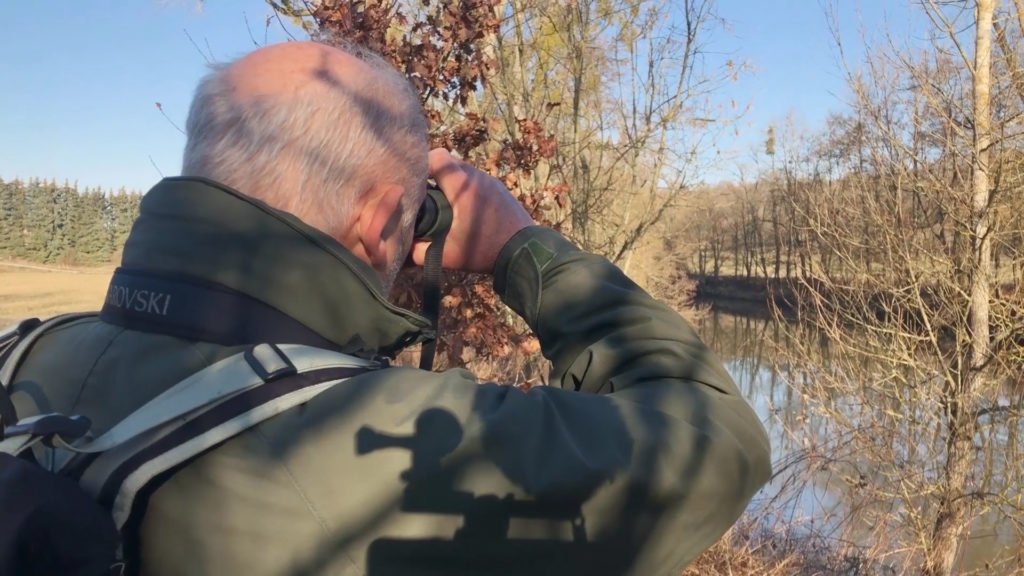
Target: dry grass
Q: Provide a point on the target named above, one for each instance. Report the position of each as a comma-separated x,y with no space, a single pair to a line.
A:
44,292
733,556
751,548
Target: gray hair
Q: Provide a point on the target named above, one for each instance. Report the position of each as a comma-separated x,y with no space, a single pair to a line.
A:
312,155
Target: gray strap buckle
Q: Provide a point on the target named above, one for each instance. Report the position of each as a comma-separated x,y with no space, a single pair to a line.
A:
269,362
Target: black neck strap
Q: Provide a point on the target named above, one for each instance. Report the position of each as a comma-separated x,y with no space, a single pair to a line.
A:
435,228
196,309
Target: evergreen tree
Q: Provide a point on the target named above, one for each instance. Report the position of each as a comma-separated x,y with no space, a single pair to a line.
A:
43,222
125,208
12,224
63,243
39,220
92,232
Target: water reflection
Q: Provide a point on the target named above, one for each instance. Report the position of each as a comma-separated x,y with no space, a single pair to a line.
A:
827,497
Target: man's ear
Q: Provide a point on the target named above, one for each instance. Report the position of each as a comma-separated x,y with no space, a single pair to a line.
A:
379,223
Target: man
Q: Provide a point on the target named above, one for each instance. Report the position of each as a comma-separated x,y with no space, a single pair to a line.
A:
302,174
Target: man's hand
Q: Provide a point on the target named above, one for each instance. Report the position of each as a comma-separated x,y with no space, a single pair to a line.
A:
485,215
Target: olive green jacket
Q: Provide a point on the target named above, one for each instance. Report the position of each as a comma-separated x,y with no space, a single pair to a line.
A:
639,455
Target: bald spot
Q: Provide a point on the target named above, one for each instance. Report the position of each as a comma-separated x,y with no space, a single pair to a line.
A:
295,68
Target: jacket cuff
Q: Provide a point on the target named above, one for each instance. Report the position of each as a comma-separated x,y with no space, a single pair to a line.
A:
519,269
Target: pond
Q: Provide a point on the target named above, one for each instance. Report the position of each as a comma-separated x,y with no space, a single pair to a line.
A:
820,499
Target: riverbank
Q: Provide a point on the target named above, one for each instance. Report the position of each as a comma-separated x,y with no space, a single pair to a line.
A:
747,296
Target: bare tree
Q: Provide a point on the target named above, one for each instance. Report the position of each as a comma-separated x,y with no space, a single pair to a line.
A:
626,87
954,511
904,193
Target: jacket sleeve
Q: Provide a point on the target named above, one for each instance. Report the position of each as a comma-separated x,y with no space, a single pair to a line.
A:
641,421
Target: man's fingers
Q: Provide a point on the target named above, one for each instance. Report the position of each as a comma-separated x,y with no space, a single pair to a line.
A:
446,170
437,158
419,252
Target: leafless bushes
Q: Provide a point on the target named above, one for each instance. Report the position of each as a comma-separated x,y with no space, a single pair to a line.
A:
901,224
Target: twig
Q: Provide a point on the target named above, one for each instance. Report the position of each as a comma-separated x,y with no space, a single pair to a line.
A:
160,107
198,49
151,161
208,49
248,29
278,16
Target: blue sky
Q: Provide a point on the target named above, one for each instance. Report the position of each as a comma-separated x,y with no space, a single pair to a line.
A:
80,79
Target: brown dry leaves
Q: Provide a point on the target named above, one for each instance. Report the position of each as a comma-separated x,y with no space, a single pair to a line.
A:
442,47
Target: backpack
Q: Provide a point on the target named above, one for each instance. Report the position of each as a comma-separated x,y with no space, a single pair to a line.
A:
71,502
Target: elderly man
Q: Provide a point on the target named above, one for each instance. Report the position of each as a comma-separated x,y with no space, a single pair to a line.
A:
303,171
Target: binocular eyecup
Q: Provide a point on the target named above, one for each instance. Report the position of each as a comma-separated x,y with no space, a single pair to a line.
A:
435,214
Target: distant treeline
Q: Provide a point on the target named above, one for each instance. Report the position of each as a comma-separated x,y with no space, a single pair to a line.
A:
42,221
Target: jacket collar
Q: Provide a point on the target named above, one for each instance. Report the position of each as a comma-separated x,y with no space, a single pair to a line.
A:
205,230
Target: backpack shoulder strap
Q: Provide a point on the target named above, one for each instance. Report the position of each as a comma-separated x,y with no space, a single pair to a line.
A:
10,335
15,342
218,383
202,411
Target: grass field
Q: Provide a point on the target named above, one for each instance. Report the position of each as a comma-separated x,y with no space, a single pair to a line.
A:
41,291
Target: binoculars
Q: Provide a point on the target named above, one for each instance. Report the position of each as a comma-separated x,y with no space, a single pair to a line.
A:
435,214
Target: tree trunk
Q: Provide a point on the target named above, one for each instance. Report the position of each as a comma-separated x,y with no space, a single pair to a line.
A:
736,249
954,512
748,248
776,233
761,252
